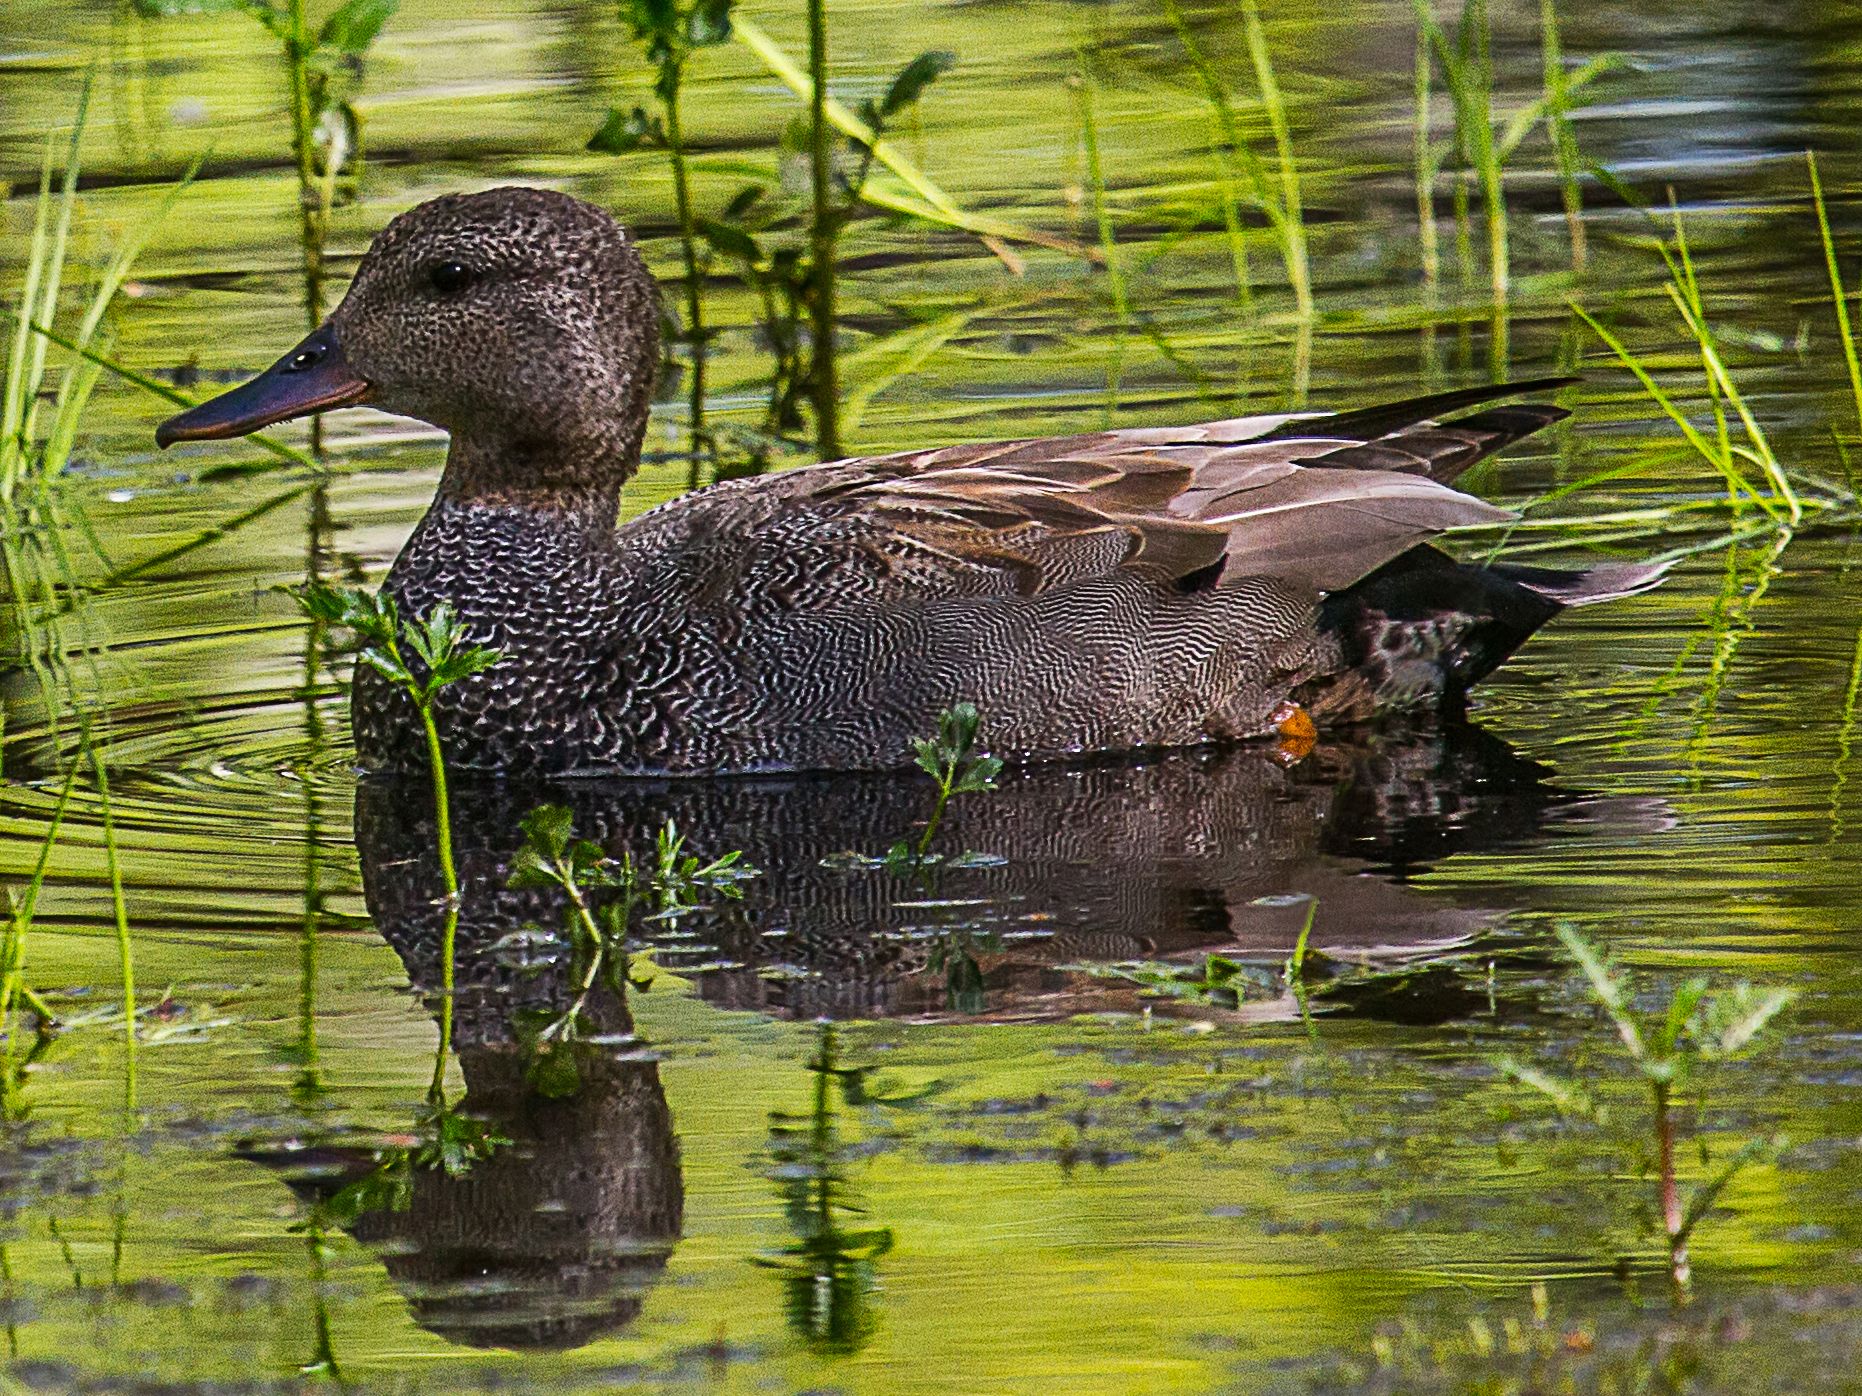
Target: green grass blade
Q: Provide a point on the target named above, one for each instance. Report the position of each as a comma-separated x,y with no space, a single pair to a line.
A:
1734,479
1838,298
1291,225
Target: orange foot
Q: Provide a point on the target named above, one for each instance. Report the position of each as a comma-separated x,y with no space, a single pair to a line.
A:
1298,735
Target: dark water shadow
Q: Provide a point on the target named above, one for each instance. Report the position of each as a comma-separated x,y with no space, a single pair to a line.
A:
550,1237
538,1211
1161,860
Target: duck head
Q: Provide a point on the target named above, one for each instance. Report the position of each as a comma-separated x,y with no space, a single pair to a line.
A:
522,321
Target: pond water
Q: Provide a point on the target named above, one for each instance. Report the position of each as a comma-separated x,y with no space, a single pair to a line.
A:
1071,1130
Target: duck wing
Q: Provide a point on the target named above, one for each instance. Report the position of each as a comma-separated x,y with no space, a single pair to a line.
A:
1318,501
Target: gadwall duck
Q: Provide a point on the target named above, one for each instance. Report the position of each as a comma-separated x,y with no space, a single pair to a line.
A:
1146,588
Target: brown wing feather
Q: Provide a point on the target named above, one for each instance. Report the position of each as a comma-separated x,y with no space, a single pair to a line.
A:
1319,501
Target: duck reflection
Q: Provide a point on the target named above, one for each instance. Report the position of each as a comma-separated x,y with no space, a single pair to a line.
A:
567,1199
536,1211
1160,860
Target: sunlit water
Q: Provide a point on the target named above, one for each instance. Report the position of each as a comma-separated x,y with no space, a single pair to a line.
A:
1075,1163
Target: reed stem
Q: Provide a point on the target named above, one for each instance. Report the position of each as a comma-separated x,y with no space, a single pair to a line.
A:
1558,121
1674,1217
443,828
1291,225
1427,242
694,299
1839,298
824,381
312,195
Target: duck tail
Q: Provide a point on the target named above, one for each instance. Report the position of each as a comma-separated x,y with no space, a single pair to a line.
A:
1609,581
1423,629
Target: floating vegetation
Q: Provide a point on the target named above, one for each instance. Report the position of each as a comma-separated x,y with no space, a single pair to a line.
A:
1666,1050
1537,1350
602,896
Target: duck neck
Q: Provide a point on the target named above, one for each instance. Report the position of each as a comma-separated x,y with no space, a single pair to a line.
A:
577,483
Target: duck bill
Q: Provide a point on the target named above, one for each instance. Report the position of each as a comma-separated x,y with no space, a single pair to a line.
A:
311,378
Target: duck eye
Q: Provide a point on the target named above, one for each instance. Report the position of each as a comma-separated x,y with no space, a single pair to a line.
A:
450,277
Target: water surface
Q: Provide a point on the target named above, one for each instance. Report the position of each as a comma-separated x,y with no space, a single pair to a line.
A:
1073,1162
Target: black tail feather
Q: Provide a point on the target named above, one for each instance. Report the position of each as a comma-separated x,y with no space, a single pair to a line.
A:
1370,423
1423,629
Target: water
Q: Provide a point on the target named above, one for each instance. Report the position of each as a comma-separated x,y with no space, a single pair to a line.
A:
1076,1161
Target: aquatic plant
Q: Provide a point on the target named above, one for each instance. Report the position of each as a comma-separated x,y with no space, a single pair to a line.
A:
322,75
1731,458
950,757
17,996
1667,1051
1839,297
1282,207
1081,84
916,194
794,282
437,643
670,33
40,573
1558,105
602,895
830,1270
1535,1350
1481,145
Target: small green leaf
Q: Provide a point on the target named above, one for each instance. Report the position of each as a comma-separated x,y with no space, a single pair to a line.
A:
321,602
1681,1007
385,665
464,663
1730,1021
547,829
743,201
553,1072
353,25
1606,988
912,81
1567,1096
651,18
528,872
731,240
625,132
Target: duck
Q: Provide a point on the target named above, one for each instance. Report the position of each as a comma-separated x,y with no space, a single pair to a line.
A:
1121,590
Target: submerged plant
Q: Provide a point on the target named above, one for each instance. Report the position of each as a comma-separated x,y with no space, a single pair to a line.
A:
602,895
794,281
950,757
830,1270
1667,1050
440,657
670,33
